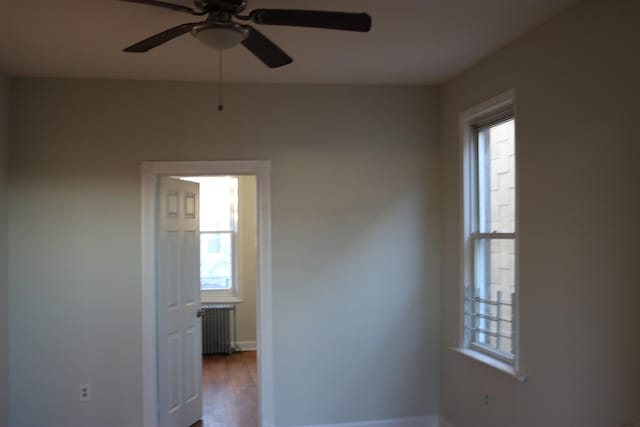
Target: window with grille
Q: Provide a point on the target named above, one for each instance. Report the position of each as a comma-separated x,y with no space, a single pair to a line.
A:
490,262
218,235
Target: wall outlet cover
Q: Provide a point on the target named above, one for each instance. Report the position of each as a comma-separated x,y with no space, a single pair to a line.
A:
85,392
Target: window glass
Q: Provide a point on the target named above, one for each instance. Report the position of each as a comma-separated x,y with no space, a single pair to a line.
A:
496,178
218,195
218,226
490,295
495,277
215,261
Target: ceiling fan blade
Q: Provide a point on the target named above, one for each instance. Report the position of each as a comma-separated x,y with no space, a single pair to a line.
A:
312,18
160,38
267,51
166,5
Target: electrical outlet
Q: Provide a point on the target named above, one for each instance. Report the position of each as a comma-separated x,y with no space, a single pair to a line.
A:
85,392
486,400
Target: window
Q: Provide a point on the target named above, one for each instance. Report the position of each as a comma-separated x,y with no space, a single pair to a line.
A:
218,236
490,224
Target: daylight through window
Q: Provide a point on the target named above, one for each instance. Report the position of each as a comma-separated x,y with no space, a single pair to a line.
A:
218,229
490,292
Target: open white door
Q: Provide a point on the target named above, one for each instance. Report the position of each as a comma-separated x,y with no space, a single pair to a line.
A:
178,290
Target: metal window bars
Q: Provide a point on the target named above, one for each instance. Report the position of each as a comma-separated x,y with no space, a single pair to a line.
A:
490,324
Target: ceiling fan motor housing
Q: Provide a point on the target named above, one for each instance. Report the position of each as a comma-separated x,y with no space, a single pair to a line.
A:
231,6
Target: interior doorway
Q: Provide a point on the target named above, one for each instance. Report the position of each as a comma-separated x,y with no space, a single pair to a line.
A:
151,173
227,285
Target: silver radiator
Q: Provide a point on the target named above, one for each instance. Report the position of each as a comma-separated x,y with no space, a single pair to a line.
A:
217,325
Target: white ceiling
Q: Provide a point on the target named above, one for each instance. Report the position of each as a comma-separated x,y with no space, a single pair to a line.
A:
412,41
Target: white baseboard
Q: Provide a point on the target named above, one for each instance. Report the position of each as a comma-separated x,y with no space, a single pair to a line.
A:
247,345
398,422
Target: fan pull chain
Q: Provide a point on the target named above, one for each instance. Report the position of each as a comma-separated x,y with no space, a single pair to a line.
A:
220,99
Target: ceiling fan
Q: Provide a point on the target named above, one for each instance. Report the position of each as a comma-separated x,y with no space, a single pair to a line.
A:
219,30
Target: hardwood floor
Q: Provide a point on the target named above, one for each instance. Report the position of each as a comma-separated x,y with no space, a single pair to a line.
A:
229,391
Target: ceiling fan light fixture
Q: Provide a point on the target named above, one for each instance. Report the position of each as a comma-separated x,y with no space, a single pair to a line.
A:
220,32
220,36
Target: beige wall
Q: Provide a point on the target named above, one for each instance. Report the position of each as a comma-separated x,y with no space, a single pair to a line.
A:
4,283
578,154
355,208
246,311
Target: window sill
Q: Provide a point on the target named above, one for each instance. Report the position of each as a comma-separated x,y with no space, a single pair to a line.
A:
490,361
221,299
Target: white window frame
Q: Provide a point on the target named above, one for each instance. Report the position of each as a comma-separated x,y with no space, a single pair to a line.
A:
234,294
493,110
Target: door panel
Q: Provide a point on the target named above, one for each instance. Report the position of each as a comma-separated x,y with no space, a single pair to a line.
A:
192,383
173,372
170,269
191,271
179,328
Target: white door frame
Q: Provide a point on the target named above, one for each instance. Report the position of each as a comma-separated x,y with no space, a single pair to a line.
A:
150,173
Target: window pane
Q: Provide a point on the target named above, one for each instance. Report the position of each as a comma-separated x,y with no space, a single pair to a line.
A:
215,261
218,202
496,178
495,288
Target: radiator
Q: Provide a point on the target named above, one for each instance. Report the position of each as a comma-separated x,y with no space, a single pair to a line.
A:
217,325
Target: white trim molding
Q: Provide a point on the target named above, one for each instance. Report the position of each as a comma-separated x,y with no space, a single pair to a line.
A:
150,171
429,421
247,345
490,111
491,361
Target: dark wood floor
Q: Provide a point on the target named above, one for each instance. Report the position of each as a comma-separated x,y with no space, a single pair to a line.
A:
229,391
